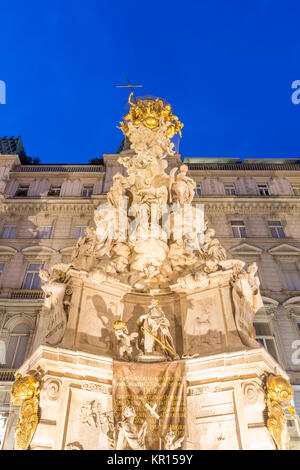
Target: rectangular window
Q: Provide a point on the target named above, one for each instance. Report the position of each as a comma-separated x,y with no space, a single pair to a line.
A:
265,338
22,190
238,229
291,275
198,189
54,191
32,279
229,189
45,231
263,189
80,231
3,424
276,229
87,191
1,269
296,189
9,231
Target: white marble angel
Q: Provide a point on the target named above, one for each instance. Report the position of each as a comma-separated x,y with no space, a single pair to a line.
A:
181,185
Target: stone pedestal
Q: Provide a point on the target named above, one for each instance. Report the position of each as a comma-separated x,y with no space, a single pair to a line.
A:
225,405
75,400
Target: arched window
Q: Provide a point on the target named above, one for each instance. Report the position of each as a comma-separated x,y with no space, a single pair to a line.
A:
17,346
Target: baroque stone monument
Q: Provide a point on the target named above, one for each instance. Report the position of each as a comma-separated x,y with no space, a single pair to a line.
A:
146,339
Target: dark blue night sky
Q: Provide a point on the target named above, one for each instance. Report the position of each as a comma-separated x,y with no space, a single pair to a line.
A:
226,67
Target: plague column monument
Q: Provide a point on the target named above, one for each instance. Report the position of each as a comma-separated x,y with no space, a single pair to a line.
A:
146,339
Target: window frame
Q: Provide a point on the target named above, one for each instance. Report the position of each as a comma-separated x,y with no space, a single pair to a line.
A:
265,337
11,364
41,230
290,281
81,228
228,188
263,188
10,227
54,191
22,188
34,272
276,228
236,226
198,189
295,189
88,188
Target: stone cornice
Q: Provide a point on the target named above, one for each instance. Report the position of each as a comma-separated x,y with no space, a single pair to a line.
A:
58,169
78,205
67,205
250,204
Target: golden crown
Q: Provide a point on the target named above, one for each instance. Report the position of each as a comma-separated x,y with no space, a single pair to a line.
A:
150,113
119,325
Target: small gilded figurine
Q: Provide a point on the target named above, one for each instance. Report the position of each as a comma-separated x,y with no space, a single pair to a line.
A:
125,340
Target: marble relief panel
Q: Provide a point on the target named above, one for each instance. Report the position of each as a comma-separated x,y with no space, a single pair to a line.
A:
89,421
203,326
212,421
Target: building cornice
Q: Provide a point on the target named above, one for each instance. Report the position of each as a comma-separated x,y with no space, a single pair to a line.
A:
78,205
244,204
66,205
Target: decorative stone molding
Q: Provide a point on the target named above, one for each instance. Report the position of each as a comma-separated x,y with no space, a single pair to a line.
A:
52,388
7,252
284,250
244,249
39,252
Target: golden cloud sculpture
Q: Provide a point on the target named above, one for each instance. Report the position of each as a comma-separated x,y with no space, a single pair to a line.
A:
150,114
25,393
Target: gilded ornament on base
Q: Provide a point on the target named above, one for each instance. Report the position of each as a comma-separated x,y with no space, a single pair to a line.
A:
25,393
279,394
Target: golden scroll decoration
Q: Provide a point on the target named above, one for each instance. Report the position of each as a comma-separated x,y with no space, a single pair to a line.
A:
279,394
25,393
150,113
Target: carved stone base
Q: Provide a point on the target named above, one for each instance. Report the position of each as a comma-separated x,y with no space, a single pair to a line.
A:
225,402
151,358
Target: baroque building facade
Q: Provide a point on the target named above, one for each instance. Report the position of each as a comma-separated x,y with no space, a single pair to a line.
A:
253,205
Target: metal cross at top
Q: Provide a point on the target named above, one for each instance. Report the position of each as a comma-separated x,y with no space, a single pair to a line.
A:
130,86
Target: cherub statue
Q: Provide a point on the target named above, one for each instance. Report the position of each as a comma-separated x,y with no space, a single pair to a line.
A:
182,186
170,443
89,413
124,340
211,252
